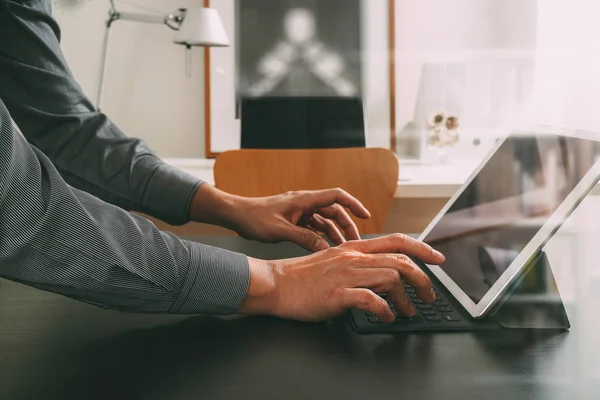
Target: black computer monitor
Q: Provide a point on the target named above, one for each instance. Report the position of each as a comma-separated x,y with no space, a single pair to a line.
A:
302,122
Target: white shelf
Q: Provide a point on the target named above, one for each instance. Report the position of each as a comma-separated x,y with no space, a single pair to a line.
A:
416,179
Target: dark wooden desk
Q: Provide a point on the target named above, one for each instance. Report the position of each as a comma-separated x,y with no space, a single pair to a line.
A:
55,348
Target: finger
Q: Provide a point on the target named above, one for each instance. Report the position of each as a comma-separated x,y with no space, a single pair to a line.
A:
341,217
401,301
328,228
408,270
366,300
398,243
306,238
325,198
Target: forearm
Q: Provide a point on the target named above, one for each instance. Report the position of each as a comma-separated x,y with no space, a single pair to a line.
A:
53,113
69,242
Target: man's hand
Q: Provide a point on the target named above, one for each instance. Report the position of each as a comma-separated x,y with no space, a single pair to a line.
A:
323,285
297,217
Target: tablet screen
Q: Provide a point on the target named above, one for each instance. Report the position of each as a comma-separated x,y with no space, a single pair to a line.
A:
505,205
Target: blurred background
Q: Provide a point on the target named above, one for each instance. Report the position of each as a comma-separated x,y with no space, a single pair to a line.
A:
495,65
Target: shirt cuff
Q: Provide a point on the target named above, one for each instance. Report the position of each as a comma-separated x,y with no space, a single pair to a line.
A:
216,283
169,193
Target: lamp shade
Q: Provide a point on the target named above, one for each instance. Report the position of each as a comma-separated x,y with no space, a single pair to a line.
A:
202,26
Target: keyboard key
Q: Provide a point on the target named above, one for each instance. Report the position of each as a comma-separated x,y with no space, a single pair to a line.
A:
369,314
424,307
451,317
418,301
429,312
445,309
375,320
433,318
413,295
409,290
441,303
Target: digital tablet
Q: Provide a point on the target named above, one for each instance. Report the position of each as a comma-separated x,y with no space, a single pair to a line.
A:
508,208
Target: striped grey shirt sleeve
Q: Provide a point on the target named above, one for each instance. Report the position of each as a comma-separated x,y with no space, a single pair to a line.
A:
87,148
66,241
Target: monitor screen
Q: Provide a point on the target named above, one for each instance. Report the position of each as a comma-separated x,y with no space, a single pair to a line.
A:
302,123
505,205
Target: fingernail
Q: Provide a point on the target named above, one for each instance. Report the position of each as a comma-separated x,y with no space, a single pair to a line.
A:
437,254
432,295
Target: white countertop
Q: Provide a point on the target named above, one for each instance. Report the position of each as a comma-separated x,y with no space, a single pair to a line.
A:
416,180
427,180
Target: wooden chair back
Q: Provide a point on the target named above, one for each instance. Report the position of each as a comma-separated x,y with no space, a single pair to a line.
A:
369,174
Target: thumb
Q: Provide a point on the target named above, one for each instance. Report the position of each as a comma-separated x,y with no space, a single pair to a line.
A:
306,238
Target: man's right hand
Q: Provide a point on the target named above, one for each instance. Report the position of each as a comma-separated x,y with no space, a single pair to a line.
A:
325,284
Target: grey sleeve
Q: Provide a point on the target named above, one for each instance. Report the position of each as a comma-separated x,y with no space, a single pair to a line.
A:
53,113
66,241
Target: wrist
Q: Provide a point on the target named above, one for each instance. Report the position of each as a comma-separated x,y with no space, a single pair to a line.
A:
262,297
213,206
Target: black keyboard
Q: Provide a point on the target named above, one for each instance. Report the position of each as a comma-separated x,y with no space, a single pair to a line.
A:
440,311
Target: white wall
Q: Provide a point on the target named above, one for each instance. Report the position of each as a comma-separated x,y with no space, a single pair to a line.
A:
568,62
147,92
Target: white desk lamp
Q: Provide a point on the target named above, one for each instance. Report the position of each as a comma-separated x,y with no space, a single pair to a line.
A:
199,26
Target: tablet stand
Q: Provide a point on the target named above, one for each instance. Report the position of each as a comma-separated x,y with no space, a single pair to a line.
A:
533,301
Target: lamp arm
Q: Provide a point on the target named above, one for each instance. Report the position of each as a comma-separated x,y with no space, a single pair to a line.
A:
173,21
149,18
